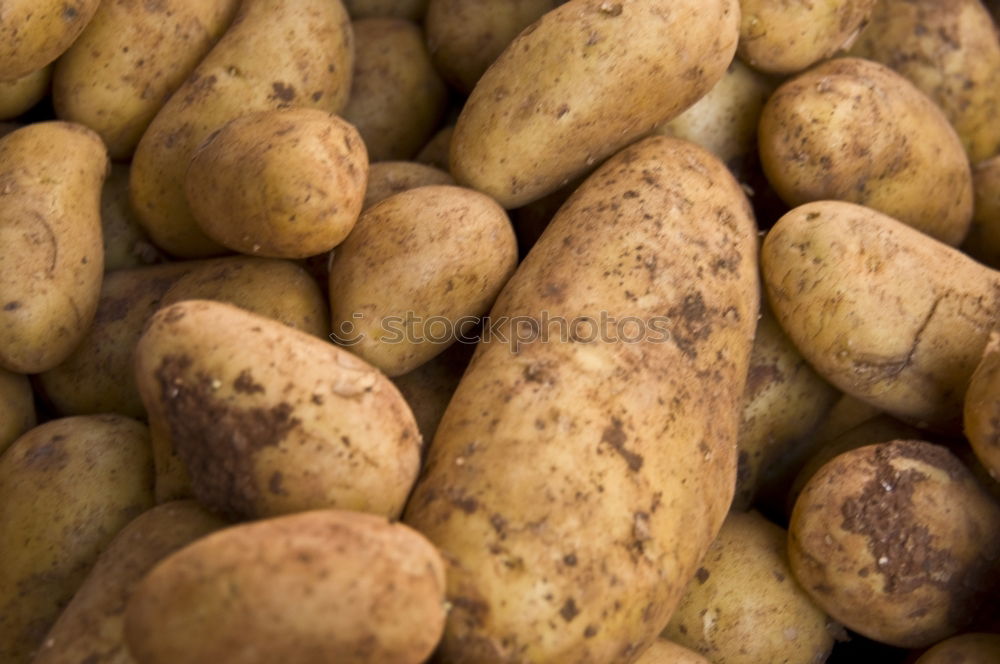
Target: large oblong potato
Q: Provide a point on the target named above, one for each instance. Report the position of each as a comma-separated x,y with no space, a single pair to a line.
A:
857,131
885,313
21,94
581,83
276,54
897,541
322,586
564,473
33,33
17,407
51,256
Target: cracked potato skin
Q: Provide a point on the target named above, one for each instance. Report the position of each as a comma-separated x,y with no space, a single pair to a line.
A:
561,480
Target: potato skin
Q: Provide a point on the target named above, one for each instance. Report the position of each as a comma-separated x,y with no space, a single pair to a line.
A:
964,649
557,501
982,408
983,242
880,310
277,54
132,56
951,51
897,541
551,104
856,131
435,252
126,244
51,256
21,94
436,151
33,33
90,628
66,488
323,586
412,10
428,388
666,652
17,407
743,605
387,178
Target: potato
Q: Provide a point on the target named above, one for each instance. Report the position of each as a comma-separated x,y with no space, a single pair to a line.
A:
856,131
386,178
428,388
397,97
133,55
412,10
268,420
964,649
417,268
21,94
465,38
983,241
897,541
126,244
66,488
435,152
951,51
586,80
880,310
982,408
563,475
33,33
743,605
277,54
51,258
17,407
323,586
285,184
90,629
665,652
787,37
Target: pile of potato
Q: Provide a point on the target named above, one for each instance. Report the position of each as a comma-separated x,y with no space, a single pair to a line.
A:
251,411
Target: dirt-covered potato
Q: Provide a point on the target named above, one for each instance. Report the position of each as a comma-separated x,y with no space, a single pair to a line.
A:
855,130
464,38
277,54
66,488
743,605
324,586
435,152
397,97
417,268
883,312
387,178
665,652
126,244
33,33
268,420
897,541
17,407
584,81
982,408
133,55
983,241
21,94
412,10
90,629
964,649
581,553
951,51
51,258
428,388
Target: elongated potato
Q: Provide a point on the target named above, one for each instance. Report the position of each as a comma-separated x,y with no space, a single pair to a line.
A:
66,488
856,131
33,33
277,54
269,420
951,51
126,244
21,94
387,178
586,80
666,652
133,55
51,258
983,241
964,649
982,408
90,629
323,586
17,407
562,476
880,310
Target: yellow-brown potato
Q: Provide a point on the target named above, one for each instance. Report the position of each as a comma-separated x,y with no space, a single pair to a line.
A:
964,649
885,313
397,97
983,242
586,80
464,38
90,629
743,605
982,408
268,420
126,244
428,388
51,258
435,152
412,10
856,131
897,541
665,652
133,55
277,54
564,473
33,33
387,178
418,268
66,488
783,37
286,184
951,51
21,94
17,407
324,586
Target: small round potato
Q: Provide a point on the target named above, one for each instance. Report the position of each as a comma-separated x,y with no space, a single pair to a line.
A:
33,33
387,178
964,649
983,242
982,408
285,183
17,407
435,152
21,94
666,652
